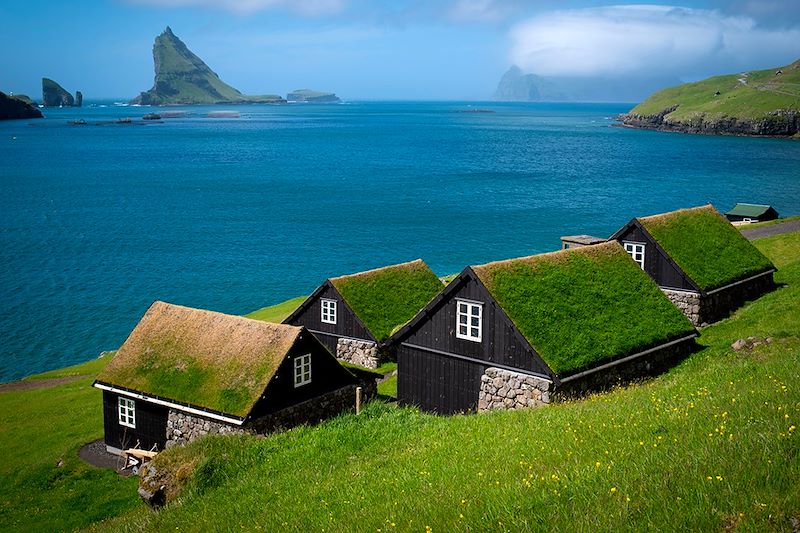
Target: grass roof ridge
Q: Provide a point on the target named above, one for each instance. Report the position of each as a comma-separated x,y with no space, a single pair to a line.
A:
387,297
592,248
377,270
706,246
201,357
583,306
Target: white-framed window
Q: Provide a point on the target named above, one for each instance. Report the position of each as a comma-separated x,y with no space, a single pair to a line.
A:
302,370
127,412
469,320
328,311
636,251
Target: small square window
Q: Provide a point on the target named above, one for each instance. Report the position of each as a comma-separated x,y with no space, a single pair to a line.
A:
329,311
469,320
127,412
302,370
636,251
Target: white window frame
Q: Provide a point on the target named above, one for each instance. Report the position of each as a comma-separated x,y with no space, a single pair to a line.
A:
328,309
126,412
634,249
302,370
469,309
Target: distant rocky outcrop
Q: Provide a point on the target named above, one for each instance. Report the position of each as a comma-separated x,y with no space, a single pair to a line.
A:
312,97
78,99
12,107
25,98
517,86
54,95
757,103
183,78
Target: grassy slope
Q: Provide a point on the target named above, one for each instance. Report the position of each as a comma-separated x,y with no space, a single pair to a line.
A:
277,313
39,428
581,307
706,246
656,444
763,93
711,445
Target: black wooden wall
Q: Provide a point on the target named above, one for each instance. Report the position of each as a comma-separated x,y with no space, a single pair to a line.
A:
346,323
444,384
656,264
326,375
151,425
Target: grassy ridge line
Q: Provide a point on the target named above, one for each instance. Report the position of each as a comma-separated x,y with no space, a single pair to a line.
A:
762,93
711,445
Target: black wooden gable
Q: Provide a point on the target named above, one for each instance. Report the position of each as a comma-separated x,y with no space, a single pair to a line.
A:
658,264
502,344
309,314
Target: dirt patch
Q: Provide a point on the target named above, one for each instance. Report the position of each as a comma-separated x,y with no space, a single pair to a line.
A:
38,383
95,454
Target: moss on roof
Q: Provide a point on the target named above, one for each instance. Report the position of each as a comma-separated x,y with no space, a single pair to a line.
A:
748,210
583,306
706,246
219,362
387,297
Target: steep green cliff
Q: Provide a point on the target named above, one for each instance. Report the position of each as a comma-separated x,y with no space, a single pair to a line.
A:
54,95
183,78
762,102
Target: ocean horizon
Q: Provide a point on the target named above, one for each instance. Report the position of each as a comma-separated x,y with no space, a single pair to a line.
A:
235,211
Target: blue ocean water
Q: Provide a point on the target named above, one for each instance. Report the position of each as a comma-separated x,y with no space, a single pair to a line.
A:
99,220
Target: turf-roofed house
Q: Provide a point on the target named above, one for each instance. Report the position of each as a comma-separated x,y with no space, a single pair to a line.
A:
355,315
183,373
746,213
700,261
509,334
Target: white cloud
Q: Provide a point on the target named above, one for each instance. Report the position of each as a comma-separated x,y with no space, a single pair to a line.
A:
658,40
304,7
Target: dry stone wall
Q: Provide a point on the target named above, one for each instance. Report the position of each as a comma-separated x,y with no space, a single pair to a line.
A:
504,389
183,428
358,352
688,302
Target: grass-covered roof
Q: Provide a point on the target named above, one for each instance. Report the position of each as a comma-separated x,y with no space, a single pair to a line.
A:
706,246
219,362
748,210
388,297
583,306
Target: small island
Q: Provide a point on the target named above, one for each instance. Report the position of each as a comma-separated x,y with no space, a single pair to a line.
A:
312,97
756,103
54,95
15,107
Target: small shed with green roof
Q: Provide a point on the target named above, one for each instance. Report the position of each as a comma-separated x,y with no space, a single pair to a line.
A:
355,315
186,372
509,334
751,213
700,261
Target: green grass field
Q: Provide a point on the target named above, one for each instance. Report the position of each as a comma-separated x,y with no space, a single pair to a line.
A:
710,446
277,313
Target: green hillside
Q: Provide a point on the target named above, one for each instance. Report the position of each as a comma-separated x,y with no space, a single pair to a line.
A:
183,78
710,446
756,102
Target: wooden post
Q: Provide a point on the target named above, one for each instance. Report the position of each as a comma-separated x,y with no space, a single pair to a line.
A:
358,400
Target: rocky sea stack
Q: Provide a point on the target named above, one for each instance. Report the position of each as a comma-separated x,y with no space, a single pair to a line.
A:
183,78
756,103
54,95
12,107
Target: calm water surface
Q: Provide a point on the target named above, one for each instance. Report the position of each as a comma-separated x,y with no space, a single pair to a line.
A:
231,214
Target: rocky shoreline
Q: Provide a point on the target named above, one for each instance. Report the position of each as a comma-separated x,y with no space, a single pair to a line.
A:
781,123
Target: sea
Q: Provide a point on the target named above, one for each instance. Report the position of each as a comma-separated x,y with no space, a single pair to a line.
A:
232,208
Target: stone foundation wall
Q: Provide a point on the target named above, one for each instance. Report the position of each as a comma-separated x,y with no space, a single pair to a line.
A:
647,365
183,428
358,352
704,310
504,389
688,303
312,411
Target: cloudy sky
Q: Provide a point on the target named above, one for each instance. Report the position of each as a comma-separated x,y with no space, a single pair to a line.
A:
400,49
